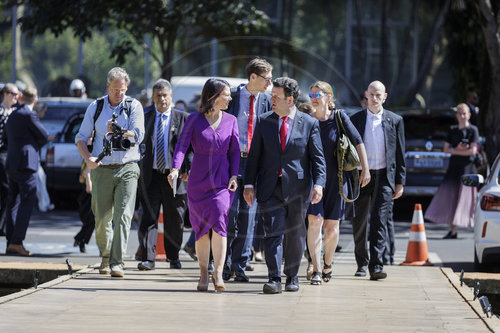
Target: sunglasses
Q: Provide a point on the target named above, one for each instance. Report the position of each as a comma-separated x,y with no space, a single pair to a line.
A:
12,93
118,90
316,95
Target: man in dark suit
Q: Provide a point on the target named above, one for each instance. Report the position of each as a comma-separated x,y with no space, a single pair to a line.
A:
285,161
248,102
383,136
25,136
163,125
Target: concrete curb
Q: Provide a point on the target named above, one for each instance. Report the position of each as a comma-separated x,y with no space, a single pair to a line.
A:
45,285
492,323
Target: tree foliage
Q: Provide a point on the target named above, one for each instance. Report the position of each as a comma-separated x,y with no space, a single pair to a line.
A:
162,19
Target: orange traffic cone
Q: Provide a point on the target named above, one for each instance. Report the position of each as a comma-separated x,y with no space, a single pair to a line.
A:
160,245
416,254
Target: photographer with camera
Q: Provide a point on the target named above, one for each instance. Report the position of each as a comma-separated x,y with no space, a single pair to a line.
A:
115,123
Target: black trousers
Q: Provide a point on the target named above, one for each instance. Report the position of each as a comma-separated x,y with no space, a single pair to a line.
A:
86,216
284,232
4,191
373,205
157,194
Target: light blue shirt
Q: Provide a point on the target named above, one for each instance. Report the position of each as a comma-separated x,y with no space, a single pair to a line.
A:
135,124
166,125
243,115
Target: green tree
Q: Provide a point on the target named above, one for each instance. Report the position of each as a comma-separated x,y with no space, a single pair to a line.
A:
162,19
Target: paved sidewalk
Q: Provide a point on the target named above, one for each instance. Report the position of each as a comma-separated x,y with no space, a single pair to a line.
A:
411,299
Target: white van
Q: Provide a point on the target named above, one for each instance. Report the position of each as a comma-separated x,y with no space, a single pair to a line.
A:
188,88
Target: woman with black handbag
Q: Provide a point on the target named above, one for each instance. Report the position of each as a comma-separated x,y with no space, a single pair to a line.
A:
332,208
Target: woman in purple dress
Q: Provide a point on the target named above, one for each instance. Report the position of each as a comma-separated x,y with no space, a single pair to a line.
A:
213,135
454,203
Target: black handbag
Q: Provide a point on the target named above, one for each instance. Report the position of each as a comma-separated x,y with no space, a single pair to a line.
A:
347,157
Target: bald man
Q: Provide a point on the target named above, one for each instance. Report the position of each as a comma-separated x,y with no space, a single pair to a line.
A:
383,135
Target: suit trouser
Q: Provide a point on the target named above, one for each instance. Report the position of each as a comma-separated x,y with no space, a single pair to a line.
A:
159,193
283,220
375,200
20,203
114,191
4,190
240,227
86,216
391,245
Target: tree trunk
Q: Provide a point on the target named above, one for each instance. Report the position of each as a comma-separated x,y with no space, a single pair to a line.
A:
425,63
168,55
491,36
384,41
362,52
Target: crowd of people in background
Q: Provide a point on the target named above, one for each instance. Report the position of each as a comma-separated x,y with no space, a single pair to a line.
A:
254,173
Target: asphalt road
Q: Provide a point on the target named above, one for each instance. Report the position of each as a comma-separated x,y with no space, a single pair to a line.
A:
50,236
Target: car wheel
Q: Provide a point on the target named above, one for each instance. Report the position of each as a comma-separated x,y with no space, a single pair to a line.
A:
478,267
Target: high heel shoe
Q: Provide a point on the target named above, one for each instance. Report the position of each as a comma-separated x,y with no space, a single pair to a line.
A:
218,287
202,287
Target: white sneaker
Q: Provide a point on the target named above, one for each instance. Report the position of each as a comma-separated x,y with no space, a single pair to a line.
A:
117,271
104,268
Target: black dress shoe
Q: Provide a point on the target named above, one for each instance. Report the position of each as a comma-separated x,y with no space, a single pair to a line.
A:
361,272
241,277
292,283
175,264
249,268
272,287
378,274
450,235
146,266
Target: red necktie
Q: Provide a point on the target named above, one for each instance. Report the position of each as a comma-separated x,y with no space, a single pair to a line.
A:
283,131
250,121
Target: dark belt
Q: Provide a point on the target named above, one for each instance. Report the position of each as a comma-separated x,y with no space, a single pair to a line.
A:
162,172
243,154
115,165
378,171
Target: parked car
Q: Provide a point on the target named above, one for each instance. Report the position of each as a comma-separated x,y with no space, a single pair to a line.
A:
426,163
486,217
63,161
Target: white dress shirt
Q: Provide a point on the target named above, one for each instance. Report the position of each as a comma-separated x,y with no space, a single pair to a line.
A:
374,140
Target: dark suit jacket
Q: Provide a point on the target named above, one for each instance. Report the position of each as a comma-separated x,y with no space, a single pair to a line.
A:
25,135
303,161
263,102
176,123
394,134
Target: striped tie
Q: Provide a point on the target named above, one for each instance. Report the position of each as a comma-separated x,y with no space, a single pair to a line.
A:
160,145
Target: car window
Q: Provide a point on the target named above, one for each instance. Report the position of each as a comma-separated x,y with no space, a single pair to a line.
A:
427,126
63,112
72,129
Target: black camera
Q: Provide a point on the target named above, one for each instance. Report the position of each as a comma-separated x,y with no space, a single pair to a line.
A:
114,140
118,142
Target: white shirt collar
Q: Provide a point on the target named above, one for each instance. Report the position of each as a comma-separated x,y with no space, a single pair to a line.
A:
375,115
166,113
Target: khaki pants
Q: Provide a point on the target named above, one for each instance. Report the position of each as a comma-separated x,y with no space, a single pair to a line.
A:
113,200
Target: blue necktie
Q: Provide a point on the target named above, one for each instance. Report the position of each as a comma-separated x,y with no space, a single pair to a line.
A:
160,145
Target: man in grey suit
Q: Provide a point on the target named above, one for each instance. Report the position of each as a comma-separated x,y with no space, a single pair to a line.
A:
163,125
287,166
383,135
25,136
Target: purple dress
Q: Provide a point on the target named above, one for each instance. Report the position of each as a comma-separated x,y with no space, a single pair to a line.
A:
216,158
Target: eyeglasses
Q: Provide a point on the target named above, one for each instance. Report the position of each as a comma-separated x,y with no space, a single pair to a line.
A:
316,95
117,90
269,78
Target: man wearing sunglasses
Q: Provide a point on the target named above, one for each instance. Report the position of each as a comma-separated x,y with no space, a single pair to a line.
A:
10,94
248,102
115,177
